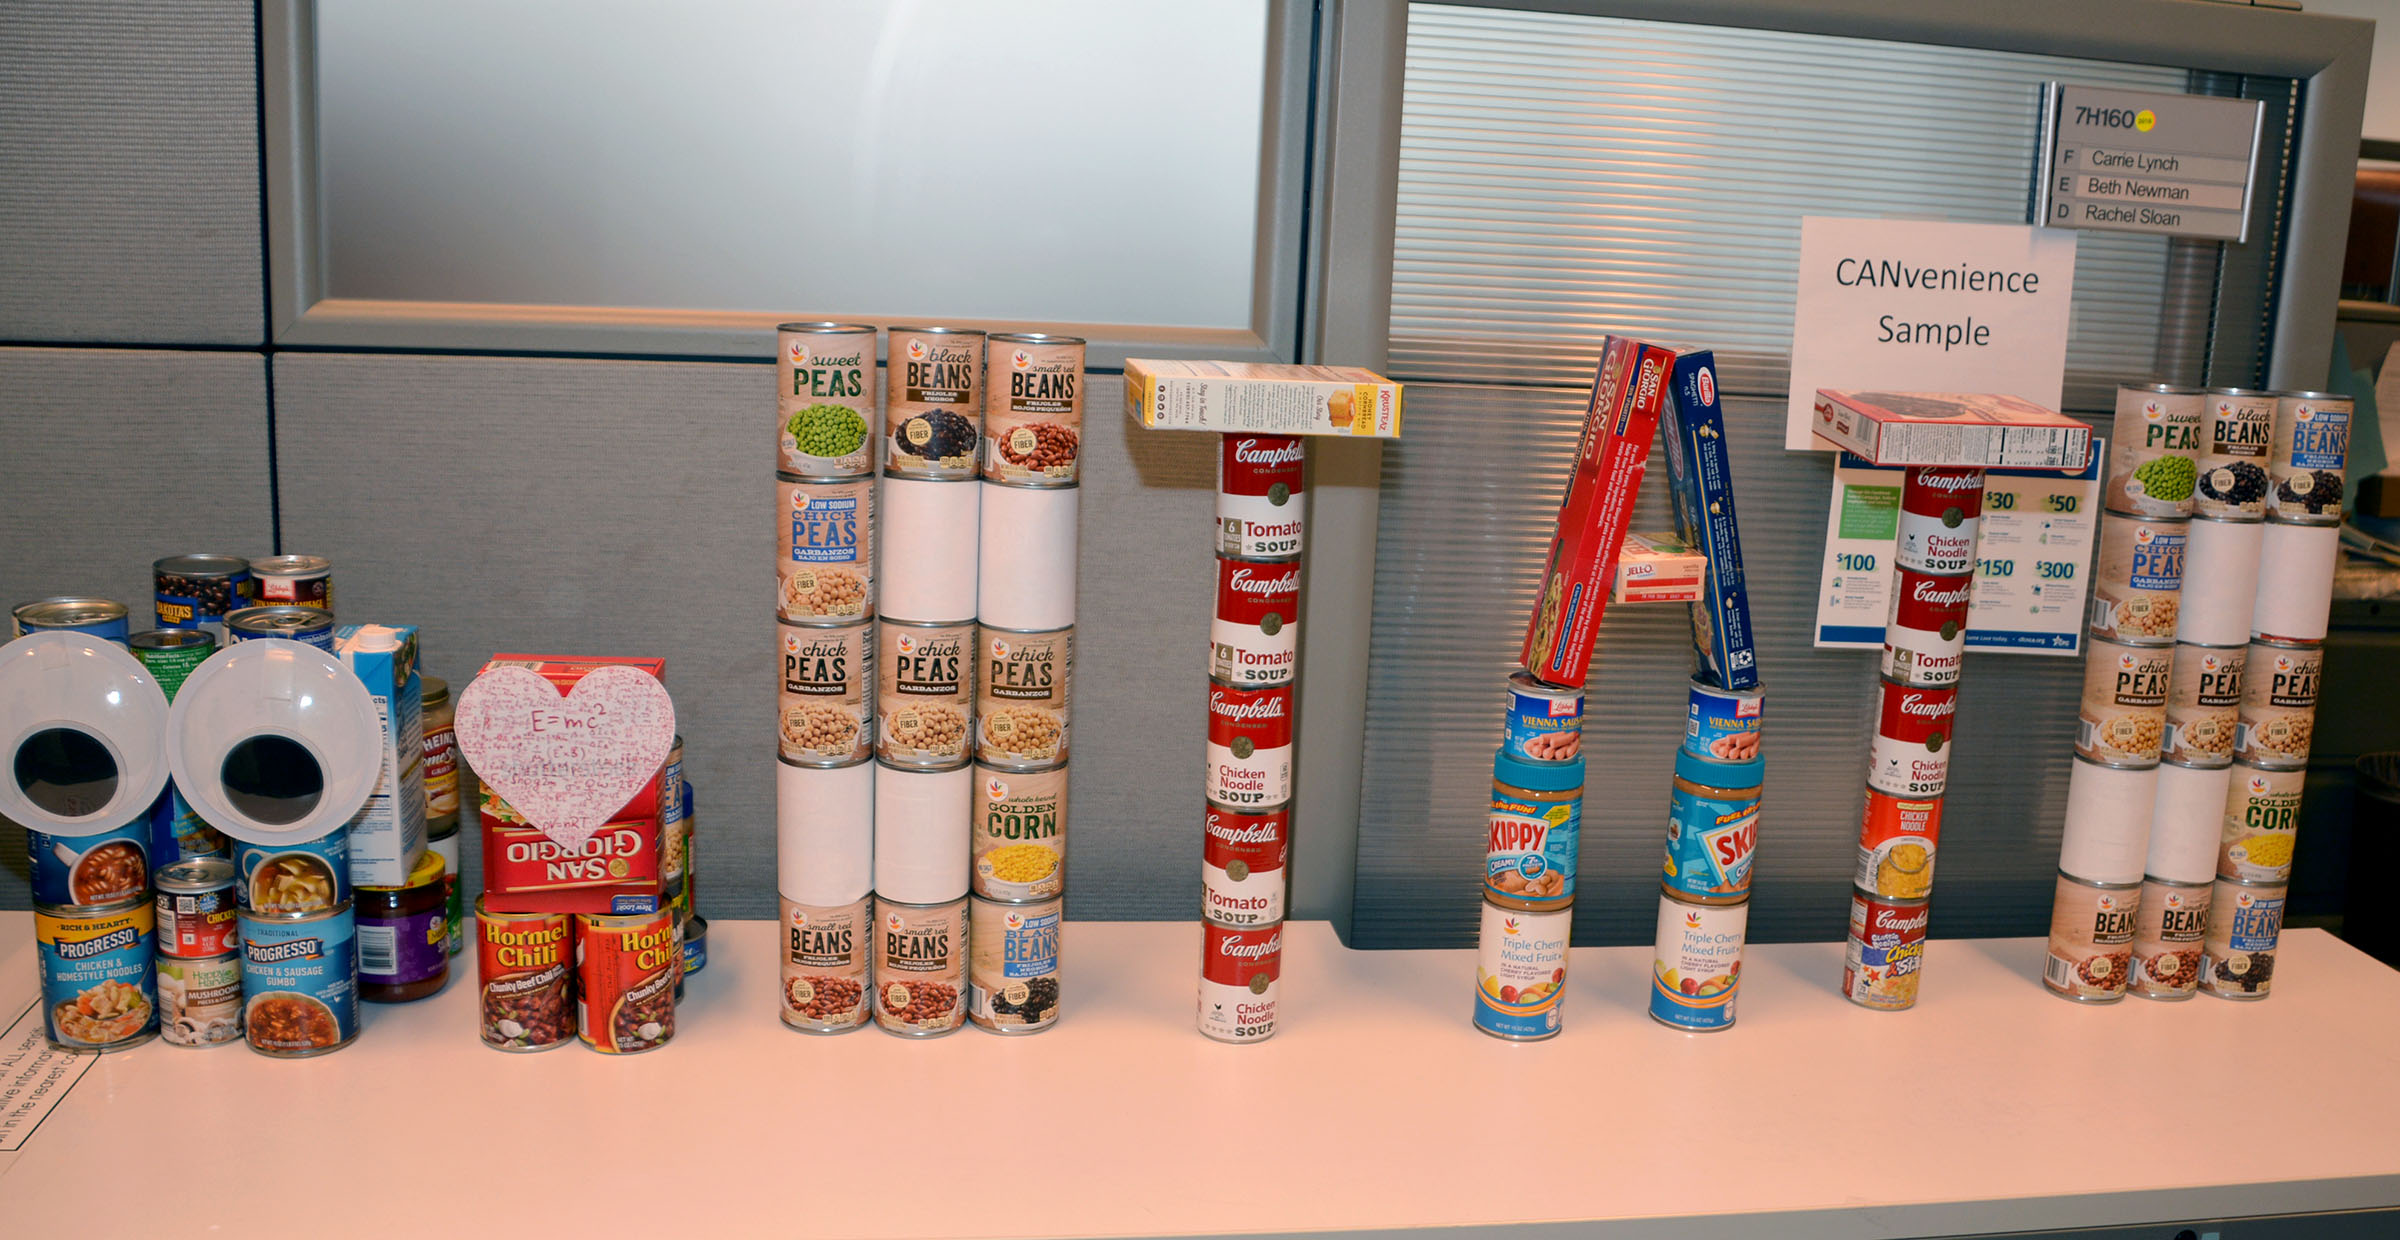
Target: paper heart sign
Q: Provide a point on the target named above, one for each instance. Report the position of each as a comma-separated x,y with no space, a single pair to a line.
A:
568,763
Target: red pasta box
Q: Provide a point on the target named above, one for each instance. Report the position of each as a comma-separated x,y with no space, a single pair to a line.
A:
1618,426
525,871
1984,430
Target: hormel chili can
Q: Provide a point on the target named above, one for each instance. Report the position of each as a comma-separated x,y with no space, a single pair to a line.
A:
1249,746
1242,866
1925,637
1255,638
1910,755
1939,512
1258,497
1239,966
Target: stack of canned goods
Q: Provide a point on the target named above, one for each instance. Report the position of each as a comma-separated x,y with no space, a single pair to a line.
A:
1908,765
1712,836
95,934
1254,645
1530,844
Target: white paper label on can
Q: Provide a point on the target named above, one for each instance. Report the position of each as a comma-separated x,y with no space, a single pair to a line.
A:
1259,779
1250,656
1930,545
1237,1013
1906,768
1923,656
1255,527
1255,898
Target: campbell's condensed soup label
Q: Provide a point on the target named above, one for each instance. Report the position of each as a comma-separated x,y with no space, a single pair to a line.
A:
1896,841
1255,638
1239,966
1886,949
1249,746
1940,510
1242,862
1910,755
1925,637
1258,497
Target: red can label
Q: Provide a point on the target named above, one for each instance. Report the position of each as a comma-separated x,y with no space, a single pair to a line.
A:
1910,755
1239,967
1255,638
1255,465
1249,592
627,967
198,925
616,870
525,964
1934,490
1249,746
1241,866
1932,601
1896,841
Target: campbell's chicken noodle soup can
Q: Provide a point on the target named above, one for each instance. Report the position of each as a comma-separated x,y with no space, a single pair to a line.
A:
1696,963
2309,457
1242,865
2168,927
1886,950
933,402
824,399
826,572
1544,723
1254,638
1033,409
2204,696
525,966
921,954
2123,720
2091,939
1925,633
826,969
1910,753
2137,587
825,694
2153,453
1239,967
2237,953
1521,972
1259,509
1940,512
626,969
2262,823
2232,469
2277,718
1897,838
1249,746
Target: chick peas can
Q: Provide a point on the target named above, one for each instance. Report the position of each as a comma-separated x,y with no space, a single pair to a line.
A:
1013,981
2123,721
924,693
1521,972
826,572
2278,711
825,696
1696,966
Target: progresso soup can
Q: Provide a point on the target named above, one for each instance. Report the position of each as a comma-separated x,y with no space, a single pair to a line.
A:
98,989
97,616
300,982
90,870
311,626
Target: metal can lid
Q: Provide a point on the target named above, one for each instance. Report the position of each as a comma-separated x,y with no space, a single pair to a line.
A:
2065,877
1035,338
195,874
432,690
428,871
938,331
171,639
278,618
69,610
826,328
202,564
84,911
1525,682
2304,395
291,919
2235,391
2163,389
292,566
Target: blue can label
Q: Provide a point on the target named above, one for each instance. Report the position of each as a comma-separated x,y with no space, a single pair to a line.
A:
1543,725
177,834
1697,964
1520,971
2158,559
98,987
1710,844
293,879
301,982
85,870
1722,724
1529,850
114,628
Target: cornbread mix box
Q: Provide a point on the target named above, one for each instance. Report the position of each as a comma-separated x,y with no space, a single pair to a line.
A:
1657,567
1701,475
1618,425
1267,399
1985,429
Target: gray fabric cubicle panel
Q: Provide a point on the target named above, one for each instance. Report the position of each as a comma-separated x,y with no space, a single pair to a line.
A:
111,458
617,507
129,206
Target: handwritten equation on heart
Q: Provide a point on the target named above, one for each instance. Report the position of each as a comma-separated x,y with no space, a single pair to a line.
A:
567,762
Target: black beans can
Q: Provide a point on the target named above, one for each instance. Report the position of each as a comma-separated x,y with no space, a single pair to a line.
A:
195,591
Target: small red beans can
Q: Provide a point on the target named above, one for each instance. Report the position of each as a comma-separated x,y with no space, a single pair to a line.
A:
525,965
1258,497
1249,746
1881,963
2091,939
199,909
1896,841
627,966
1925,637
1255,637
1940,509
1242,865
1239,967
1910,755
2167,931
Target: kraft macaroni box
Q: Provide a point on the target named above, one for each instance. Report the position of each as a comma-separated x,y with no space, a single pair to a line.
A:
1701,474
1618,426
387,838
1951,428
1269,399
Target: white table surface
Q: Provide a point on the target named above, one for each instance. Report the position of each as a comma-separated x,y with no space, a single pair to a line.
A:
1991,1106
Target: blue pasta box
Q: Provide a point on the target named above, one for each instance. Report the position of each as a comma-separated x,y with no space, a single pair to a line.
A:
1699,469
387,838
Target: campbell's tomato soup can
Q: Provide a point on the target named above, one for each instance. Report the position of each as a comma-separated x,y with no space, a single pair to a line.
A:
2091,939
1258,497
1910,755
1925,635
2168,927
1255,637
1940,510
1242,861
626,967
1239,966
1696,965
1521,972
1896,841
1249,746
1886,949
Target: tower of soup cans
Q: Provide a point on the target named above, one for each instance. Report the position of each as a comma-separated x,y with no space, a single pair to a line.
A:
1534,831
1254,657
2200,692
